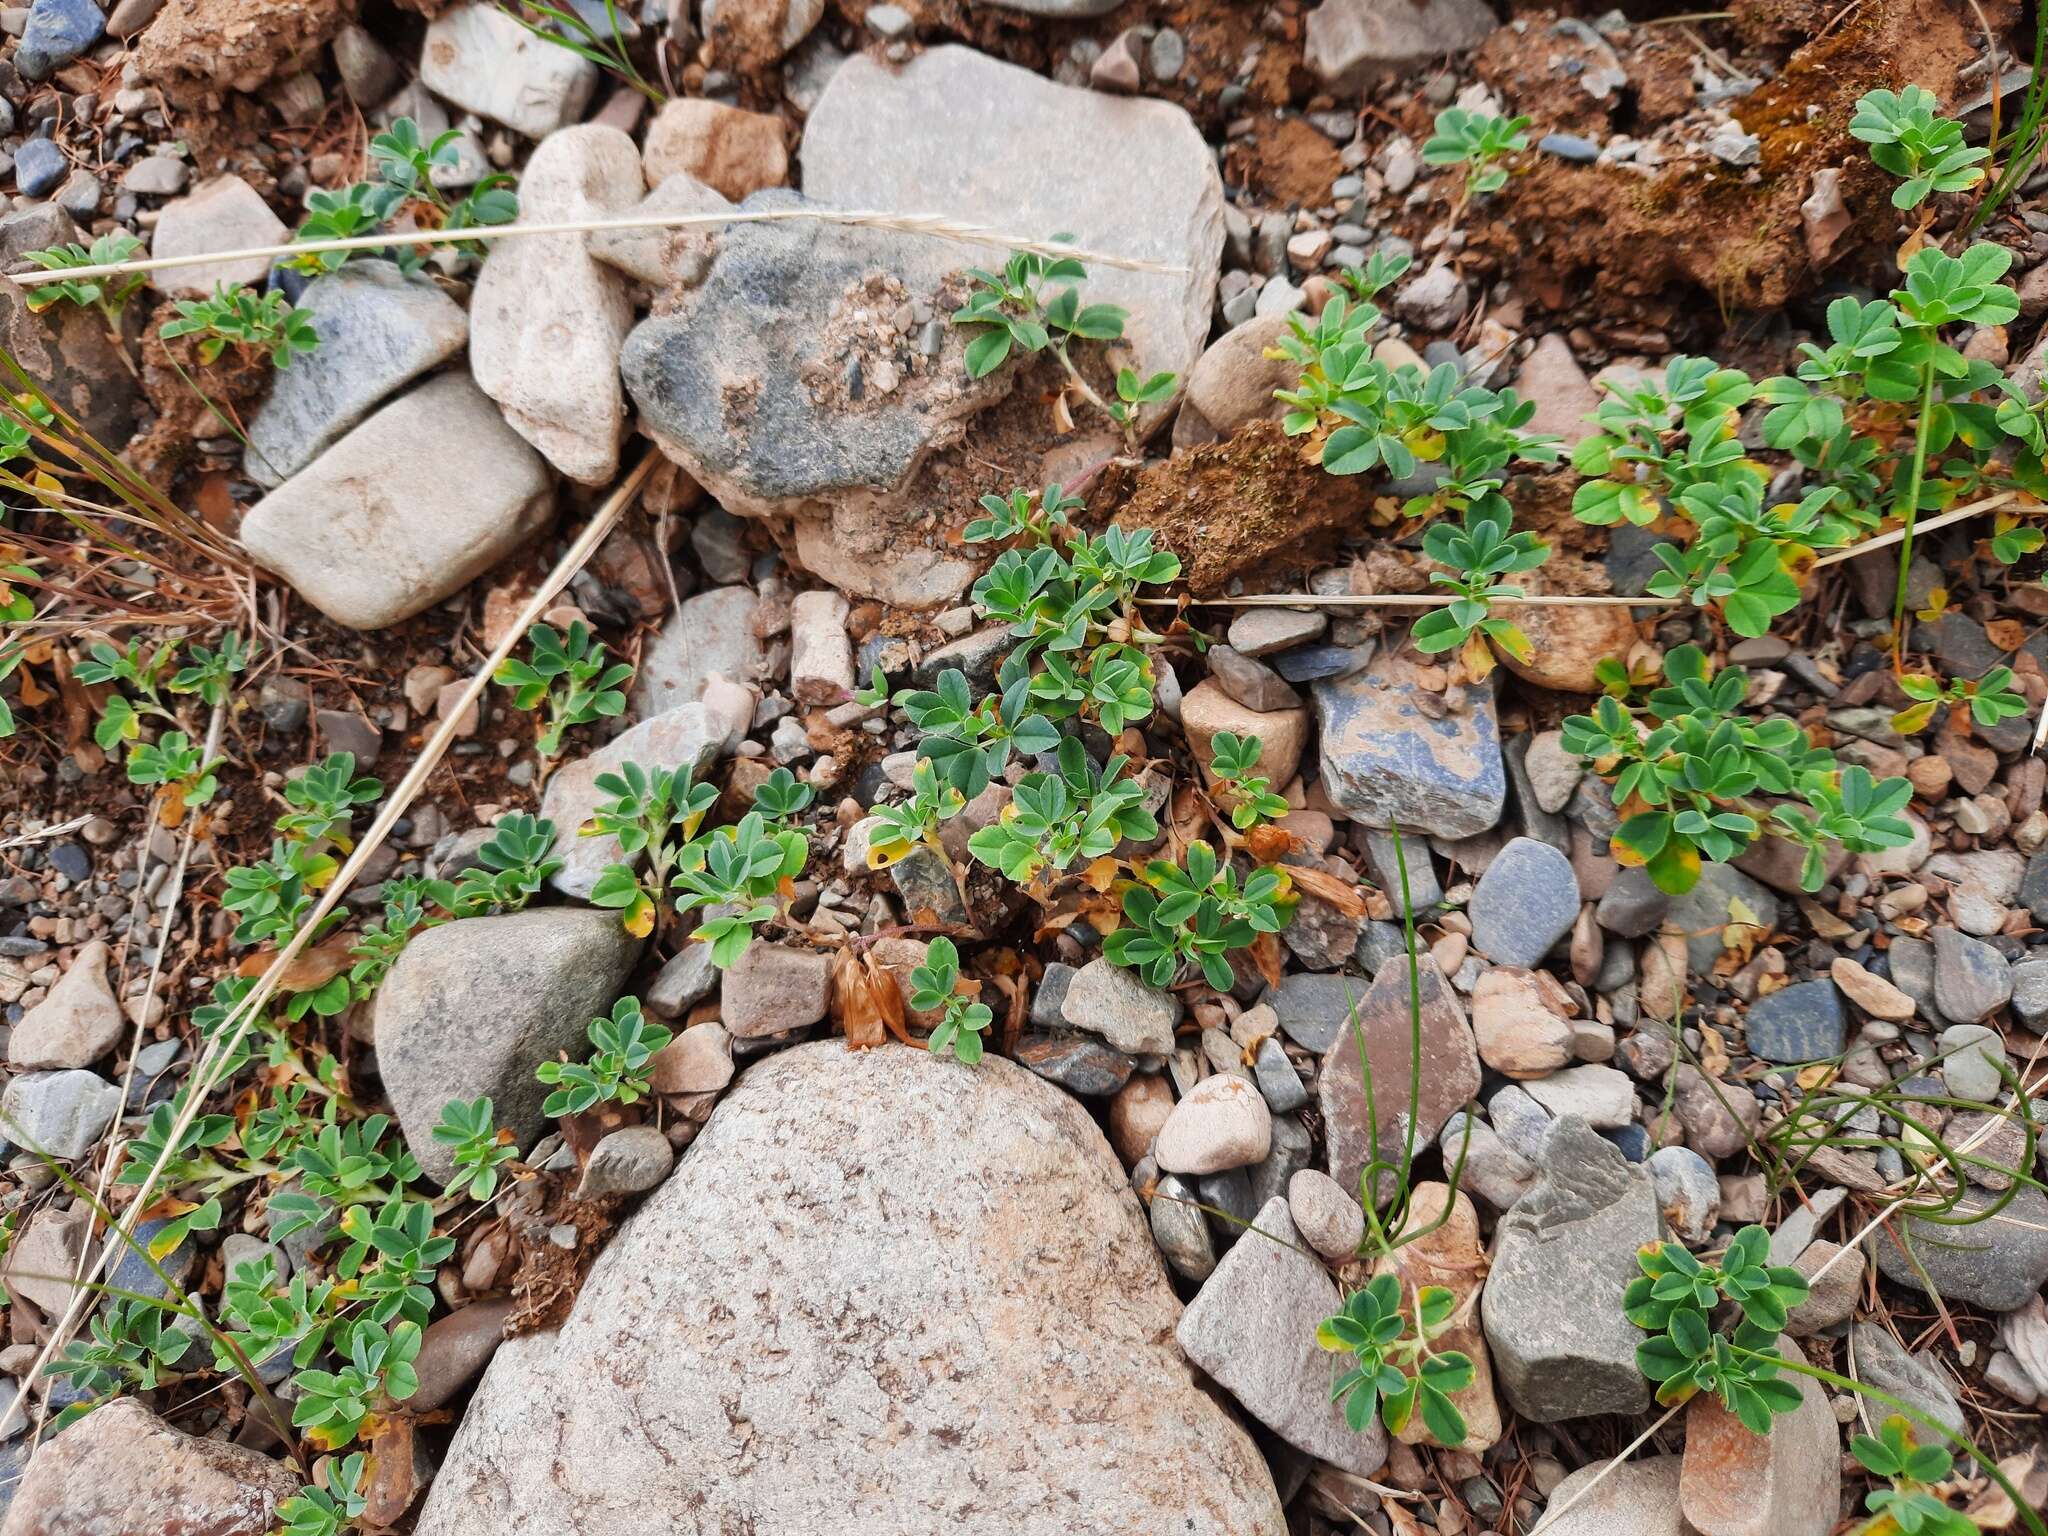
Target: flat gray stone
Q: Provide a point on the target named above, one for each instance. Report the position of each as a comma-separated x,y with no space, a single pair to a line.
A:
379,330
473,1007
60,1114
1972,980
1252,1328
485,62
1552,1305
1525,902
1109,1001
1351,43
714,632
348,531
684,737
1638,1498
1802,1022
1884,1363
1384,760
1996,1263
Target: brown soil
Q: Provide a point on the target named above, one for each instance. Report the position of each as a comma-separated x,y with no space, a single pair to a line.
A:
1247,504
1283,161
1735,234
234,382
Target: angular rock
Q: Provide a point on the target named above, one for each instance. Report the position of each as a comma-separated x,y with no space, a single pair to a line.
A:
1735,1482
1447,1253
1385,760
224,214
1078,1063
474,1007
1993,1264
1885,1364
1802,1022
1328,1219
732,152
850,1259
1250,683
1209,707
1871,992
45,1254
1109,1001
772,989
57,32
821,655
68,353
60,1114
347,533
485,62
379,330
1315,1011
1525,902
1566,644
684,737
699,1060
1233,383
1633,906
748,36
1486,1164
665,258
1836,1287
122,1471
1973,1062
713,633
1224,1123
1252,1327
1562,1257
76,1024
1687,1192
1972,980
628,1161
1638,1498
1351,43
547,320
1600,1095
1449,1070
1518,1030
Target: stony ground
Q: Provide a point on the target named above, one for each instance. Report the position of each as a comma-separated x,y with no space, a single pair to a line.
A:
805,1287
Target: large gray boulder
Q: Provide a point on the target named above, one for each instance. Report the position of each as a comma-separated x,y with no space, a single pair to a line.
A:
821,1323
473,1007
812,376
1562,1257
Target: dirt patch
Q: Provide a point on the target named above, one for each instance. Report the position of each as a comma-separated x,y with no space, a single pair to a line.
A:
1249,503
1619,239
233,382
1284,161
196,50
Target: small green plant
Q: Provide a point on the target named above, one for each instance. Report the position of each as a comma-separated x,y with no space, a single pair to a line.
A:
404,165
1908,137
569,28
242,317
271,897
1911,1506
1034,305
1234,760
1989,699
1475,554
1196,912
969,743
510,868
1672,1300
323,800
653,813
1685,787
175,765
134,1346
1476,140
914,822
1031,518
737,869
625,1042
477,1145
934,988
1077,812
567,680
376,1368
108,295
328,1511
781,795
143,675
1394,1369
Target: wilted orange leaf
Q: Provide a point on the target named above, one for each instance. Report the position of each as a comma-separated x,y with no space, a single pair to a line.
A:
1341,894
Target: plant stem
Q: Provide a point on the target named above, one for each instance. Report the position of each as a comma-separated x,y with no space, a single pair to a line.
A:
1909,516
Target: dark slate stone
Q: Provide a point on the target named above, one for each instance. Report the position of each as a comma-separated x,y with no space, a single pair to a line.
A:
132,1272
1078,1063
1315,1010
2034,886
1306,663
38,166
1051,996
71,861
1800,1023
58,31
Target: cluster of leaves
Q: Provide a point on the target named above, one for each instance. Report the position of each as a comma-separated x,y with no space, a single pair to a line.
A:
622,1042
240,316
108,295
567,680
1393,1369
1474,554
1477,141
935,988
1909,137
735,872
1989,699
1234,760
1910,1505
143,679
1687,785
1076,812
1673,1299
1193,914
1034,305
403,166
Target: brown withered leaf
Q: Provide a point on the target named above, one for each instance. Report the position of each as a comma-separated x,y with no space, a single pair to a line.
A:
2006,634
866,1002
1100,874
1339,893
1713,1051
314,966
390,1486
1269,844
2028,1472
1269,958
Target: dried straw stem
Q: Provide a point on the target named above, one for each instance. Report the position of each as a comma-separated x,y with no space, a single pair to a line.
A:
935,226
